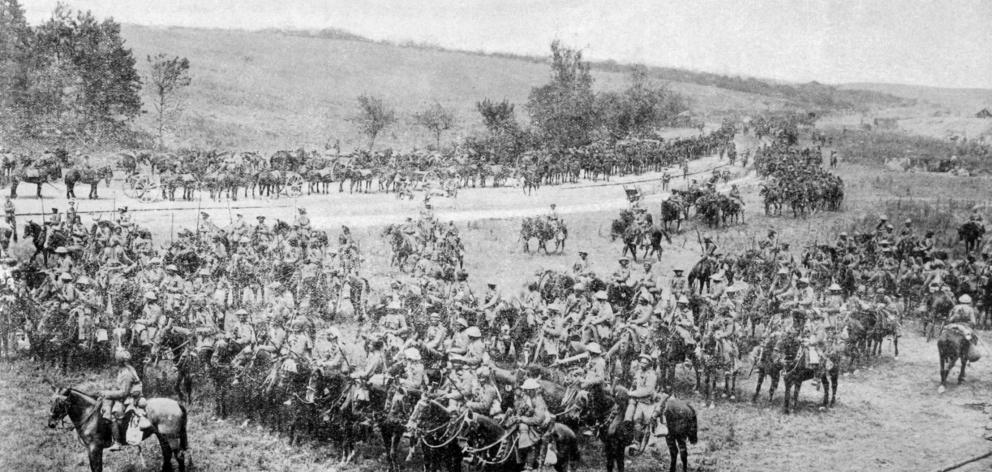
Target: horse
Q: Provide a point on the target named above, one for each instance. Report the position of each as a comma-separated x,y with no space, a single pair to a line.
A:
939,306
543,229
38,234
796,370
971,233
403,247
87,176
167,417
768,363
952,345
703,272
680,418
35,175
437,434
671,210
653,238
498,449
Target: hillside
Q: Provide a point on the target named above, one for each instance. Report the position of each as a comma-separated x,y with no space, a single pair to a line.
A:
269,90
964,101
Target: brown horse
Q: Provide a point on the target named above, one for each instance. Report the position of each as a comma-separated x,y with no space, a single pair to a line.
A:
167,418
952,345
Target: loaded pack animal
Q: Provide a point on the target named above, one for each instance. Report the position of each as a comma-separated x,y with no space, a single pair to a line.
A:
87,176
43,171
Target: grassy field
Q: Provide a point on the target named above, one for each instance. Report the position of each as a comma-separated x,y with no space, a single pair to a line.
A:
264,90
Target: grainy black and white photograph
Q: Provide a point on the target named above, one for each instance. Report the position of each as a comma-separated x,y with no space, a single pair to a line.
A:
495,235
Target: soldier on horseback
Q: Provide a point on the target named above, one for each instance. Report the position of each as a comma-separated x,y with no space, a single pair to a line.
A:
410,383
126,396
709,249
484,397
963,318
682,321
533,417
621,277
640,410
597,326
582,268
302,221
329,358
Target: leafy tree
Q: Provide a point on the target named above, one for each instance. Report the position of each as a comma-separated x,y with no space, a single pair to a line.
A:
85,79
640,109
373,117
437,119
15,37
169,76
497,116
564,110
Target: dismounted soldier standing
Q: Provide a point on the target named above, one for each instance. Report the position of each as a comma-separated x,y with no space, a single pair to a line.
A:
10,213
581,266
678,285
534,414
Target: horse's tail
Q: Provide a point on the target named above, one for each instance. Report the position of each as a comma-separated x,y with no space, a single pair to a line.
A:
693,431
183,436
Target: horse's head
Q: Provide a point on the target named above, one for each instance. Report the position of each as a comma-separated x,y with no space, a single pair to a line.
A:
60,406
30,229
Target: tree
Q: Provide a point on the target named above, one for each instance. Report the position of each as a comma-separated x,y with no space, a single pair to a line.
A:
640,109
169,76
373,117
85,81
437,119
15,36
564,110
497,116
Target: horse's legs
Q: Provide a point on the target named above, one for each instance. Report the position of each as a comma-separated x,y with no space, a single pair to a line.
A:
774,385
834,375
964,364
788,390
824,382
166,454
673,452
895,344
757,389
795,394
96,459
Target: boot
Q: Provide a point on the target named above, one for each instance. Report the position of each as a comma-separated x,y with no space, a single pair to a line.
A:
115,432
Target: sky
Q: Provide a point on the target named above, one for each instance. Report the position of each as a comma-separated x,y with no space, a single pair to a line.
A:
939,43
